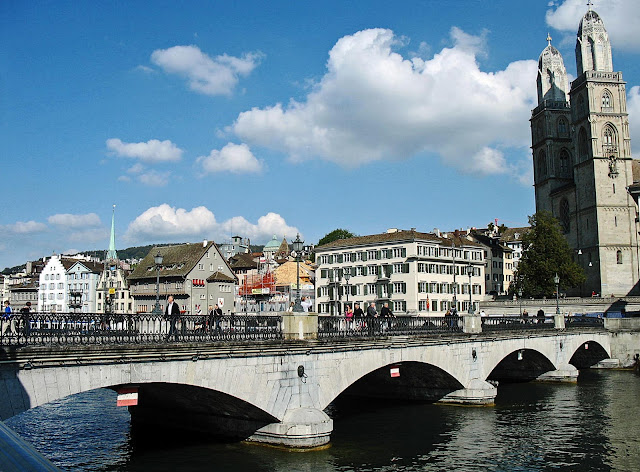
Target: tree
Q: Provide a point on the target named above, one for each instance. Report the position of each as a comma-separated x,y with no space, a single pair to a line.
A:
335,235
546,253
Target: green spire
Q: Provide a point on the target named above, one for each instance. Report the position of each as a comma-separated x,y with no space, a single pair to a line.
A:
111,253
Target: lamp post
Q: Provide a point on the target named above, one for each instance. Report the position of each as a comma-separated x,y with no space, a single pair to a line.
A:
470,273
347,276
520,299
556,280
158,260
297,251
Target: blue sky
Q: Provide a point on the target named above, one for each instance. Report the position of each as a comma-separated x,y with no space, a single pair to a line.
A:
208,119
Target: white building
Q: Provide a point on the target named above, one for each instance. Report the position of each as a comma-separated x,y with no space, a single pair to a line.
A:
417,273
68,285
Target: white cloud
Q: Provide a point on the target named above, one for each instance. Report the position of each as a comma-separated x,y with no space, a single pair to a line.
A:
210,76
165,223
25,227
151,151
90,236
633,108
235,158
373,104
154,178
74,221
620,17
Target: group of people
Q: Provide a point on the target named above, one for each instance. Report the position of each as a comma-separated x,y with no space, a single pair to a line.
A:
209,324
12,322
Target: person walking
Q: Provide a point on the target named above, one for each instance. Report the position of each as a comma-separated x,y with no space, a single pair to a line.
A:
172,313
348,316
358,315
386,314
540,316
217,316
26,321
372,315
7,319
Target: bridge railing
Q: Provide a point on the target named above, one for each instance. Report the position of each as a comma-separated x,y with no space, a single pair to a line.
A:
99,328
341,327
517,323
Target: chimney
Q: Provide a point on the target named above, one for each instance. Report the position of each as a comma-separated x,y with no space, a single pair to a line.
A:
436,231
204,243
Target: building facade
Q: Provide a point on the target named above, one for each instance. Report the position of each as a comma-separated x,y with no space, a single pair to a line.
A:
582,160
196,275
416,273
82,285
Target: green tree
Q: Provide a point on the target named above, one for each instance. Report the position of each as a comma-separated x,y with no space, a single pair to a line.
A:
546,253
335,235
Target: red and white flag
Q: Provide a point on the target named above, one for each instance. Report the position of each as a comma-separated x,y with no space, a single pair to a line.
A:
395,371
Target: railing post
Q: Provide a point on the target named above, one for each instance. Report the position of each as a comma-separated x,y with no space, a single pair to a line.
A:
299,326
559,321
471,324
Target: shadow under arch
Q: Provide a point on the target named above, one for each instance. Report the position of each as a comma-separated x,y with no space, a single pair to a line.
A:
588,354
522,365
165,407
14,397
417,381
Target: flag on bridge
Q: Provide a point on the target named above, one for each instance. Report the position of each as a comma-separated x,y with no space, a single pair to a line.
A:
127,396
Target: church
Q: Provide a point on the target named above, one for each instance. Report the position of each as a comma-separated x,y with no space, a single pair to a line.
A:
582,161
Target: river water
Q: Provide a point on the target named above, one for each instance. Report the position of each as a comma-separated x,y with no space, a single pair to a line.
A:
591,426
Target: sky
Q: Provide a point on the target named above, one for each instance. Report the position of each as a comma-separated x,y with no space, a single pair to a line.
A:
207,119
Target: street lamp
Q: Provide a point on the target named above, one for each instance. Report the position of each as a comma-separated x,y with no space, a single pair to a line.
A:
347,276
297,251
470,273
158,260
520,299
556,280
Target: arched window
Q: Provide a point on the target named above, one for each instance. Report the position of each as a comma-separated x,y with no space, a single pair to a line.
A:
583,145
565,215
581,106
542,165
619,257
607,101
563,163
609,136
563,127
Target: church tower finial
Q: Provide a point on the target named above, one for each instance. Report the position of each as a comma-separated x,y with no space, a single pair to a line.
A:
111,253
548,39
589,4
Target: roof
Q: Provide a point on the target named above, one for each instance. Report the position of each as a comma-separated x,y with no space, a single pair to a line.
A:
635,169
398,236
95,267
220,277
286,273
177,261
242,261
273,244
510,234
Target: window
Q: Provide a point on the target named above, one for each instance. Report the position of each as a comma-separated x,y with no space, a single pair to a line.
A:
200,266
608,136
564,163
606,100
581,106
565,215
563,127
619,257
583,145
542,165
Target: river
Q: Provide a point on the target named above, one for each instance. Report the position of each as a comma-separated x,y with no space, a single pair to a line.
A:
591,426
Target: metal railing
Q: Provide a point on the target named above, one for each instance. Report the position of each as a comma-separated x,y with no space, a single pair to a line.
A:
517,322
341,327
99,328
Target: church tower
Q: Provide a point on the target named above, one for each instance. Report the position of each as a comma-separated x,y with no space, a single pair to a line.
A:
582,161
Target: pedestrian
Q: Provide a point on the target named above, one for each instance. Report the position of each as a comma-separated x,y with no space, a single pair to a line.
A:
348,315
386,313
172,313
290,309
7,319
210,319
358,314
217,316
525,316
372,315
26,321
540,316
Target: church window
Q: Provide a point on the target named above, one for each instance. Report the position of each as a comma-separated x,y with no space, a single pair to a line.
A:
564,163
565,215
563,128
608,136
542,164
583,145
619,257
606,100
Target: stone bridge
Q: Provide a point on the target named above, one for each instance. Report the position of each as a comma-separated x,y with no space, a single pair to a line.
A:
276,391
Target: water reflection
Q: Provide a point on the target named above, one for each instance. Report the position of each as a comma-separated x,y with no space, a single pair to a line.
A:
591,426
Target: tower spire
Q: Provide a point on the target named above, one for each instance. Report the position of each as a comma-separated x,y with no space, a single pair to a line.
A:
548,39
111,253
589,4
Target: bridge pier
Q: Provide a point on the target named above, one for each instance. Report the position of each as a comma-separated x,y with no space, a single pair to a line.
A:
478,392
564,373
300,428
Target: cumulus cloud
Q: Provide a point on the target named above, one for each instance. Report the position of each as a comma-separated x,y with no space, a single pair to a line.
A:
25,227
235,158
633,108
373,104
166,223
210,76
154,178
74,221
151,151
621,18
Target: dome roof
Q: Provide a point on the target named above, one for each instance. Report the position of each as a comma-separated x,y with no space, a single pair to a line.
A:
590,20
273,244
